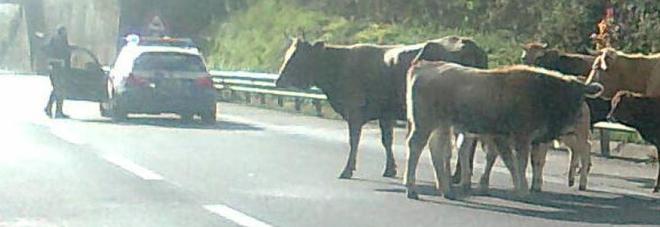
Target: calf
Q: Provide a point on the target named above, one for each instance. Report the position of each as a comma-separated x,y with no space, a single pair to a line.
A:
641,113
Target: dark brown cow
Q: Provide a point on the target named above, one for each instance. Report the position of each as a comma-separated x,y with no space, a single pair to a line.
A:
641,113
567,63
364,82
520,104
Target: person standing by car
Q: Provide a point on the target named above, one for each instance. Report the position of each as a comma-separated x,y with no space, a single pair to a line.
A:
59,54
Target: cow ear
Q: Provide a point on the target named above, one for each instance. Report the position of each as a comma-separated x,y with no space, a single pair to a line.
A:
319,44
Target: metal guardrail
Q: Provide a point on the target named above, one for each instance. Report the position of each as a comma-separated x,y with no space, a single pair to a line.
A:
263,84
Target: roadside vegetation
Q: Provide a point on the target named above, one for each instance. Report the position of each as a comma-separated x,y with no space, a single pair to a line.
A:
254,37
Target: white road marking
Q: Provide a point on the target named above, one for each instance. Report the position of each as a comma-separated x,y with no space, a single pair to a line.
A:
132,167
235,216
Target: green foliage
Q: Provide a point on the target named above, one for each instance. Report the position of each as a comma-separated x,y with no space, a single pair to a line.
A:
254,38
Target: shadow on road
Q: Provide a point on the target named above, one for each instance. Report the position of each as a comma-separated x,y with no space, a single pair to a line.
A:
646,183
177,123
601,208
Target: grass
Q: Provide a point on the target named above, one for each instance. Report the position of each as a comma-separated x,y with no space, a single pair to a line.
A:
257,38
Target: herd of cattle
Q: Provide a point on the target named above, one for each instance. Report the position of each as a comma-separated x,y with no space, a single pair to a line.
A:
443,88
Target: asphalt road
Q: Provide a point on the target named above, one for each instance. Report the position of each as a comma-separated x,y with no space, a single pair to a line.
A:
260,167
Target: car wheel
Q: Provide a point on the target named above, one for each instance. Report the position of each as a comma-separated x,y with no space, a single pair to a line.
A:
186,117
105,112
209,116
118,112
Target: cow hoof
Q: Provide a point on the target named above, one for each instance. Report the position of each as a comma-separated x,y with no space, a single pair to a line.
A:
582,188
412,194
450,196
346,175
389,173
535,189
522,193
571,183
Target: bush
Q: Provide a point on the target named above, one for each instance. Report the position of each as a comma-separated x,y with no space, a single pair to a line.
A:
256,39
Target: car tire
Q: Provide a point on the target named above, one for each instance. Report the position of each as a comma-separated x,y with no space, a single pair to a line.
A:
118,112
187,117
209,116
105,112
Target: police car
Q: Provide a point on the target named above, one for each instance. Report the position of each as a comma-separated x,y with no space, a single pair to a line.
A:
160,75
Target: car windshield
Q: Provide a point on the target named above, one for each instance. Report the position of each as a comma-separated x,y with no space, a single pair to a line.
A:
170,62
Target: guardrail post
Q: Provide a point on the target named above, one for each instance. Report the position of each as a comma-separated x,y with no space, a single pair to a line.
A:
605,142
318,107
248,98
262,99
280,101
298,104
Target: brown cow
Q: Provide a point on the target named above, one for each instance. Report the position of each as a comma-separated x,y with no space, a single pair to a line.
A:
641,113
365,82
570,64
567,63
633,72
578,142
518,104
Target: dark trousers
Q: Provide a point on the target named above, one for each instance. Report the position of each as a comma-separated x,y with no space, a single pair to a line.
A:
59,103
54,99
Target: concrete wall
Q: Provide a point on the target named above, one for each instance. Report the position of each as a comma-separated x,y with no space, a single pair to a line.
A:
14,47
92,24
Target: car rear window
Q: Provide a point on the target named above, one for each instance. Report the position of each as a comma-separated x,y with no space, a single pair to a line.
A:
170,62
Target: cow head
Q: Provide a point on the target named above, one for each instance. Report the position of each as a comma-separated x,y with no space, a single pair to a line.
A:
433,51
602,71
300,62
622,105
538,54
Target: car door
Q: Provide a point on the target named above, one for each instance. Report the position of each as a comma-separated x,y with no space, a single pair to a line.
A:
85,80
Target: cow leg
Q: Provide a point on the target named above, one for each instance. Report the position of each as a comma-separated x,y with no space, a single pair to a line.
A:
468,147
417,140
491,158
354,133
522,147
539,152
466,156
386,129
441,151
571,142
585,165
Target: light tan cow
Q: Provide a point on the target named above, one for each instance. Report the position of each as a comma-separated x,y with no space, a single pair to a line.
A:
619,71
518,104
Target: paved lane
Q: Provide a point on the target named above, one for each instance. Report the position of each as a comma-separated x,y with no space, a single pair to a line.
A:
259,168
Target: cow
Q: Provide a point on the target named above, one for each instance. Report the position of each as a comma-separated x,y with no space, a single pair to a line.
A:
633,72
517,104
639,112
540,55
579,144
576,138
365,82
